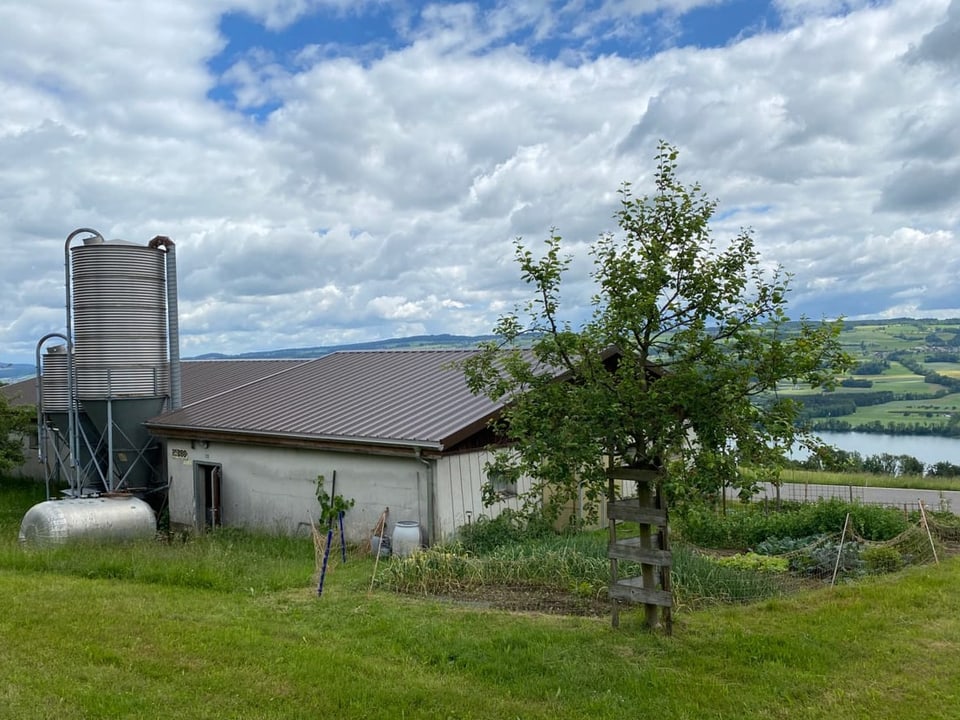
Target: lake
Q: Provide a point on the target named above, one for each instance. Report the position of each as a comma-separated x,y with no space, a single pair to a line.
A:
928,449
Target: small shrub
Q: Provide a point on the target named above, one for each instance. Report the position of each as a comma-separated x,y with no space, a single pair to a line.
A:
510,527
822,559
881,559
755,561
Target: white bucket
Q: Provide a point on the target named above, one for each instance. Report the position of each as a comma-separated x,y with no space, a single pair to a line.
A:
406,538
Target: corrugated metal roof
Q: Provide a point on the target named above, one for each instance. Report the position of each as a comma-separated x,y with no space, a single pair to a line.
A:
402,397
20,393
200,378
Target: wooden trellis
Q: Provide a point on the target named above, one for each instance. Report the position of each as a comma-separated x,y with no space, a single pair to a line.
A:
650,546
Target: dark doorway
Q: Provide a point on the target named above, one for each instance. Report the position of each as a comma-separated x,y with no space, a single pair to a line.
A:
207,485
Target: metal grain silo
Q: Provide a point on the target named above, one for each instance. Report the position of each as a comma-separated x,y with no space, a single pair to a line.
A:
121,305
54,398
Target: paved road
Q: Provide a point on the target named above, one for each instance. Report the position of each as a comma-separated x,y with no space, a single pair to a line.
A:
910,499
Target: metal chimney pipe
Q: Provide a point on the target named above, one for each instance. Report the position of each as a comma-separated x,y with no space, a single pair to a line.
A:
173,318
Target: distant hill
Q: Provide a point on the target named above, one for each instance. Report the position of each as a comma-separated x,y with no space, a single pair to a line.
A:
15,372
417,342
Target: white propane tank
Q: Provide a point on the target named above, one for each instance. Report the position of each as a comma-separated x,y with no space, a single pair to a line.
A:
56,522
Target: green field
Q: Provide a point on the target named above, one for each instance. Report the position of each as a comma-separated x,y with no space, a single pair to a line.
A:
934,411
944,368
229,626
883,337
919,341
896,379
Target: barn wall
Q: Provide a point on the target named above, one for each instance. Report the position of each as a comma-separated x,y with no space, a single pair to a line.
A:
273,489
459,501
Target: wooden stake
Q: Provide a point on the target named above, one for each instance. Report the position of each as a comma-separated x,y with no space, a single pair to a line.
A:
926,526
378,531
843,537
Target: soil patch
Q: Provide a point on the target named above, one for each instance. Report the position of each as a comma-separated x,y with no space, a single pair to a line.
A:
530,599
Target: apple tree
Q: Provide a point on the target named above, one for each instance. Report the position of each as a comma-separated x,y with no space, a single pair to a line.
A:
676,370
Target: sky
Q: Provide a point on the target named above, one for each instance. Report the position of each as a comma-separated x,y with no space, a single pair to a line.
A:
339,171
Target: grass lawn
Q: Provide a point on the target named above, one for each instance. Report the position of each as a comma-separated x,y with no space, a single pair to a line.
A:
86,636
815,477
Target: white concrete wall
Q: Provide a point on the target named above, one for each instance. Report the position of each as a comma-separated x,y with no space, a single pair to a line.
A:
273,489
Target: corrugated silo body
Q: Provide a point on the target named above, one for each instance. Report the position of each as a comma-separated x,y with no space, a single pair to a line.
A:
56,403
119,321
120,349
57,522
55,407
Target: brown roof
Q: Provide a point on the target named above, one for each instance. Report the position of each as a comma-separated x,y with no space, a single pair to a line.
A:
199,379
20,393
412,398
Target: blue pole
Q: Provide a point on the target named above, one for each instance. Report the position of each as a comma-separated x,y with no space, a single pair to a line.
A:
326,557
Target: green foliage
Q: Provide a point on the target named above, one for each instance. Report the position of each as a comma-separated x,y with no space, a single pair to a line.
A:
509,527
870,367
224,560
331,507
684,337
699,580
15,423
577,564
755,561
856,383
881,559
168,649
821,558
747,527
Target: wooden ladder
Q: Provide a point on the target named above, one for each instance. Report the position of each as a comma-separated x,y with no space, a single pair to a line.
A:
650,547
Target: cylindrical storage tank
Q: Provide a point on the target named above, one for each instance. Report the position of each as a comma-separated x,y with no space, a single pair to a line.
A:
53,383
119,320
406,538
120,350
54,380
56,522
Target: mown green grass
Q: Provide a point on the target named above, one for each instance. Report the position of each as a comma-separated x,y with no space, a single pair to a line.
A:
141,647
78,648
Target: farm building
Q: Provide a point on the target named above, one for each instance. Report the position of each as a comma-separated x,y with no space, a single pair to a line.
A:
201,379
400,429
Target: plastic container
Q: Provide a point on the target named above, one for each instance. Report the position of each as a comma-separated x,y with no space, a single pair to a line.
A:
406,538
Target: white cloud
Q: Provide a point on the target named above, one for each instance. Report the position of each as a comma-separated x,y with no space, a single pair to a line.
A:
378,194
